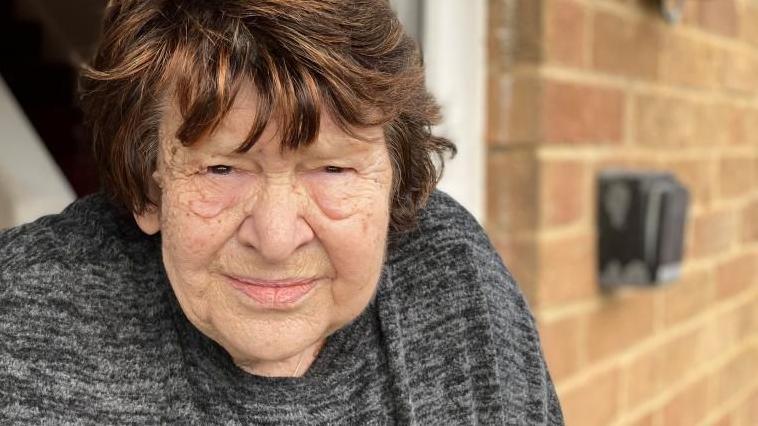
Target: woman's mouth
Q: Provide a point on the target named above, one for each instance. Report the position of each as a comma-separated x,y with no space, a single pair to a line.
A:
279,294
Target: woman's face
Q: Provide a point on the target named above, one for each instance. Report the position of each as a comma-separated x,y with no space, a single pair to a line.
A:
270,251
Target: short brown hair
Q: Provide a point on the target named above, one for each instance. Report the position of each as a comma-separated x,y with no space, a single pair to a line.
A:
350,57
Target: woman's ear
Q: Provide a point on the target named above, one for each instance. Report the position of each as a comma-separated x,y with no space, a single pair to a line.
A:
149,221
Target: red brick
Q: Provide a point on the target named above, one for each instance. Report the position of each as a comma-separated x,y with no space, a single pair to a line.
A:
618,324
519,255
689,407
750,408
511,190
563,192
735,275
567,269
514,33
689,237
718,335
688,297
708,345
749,228
575,113
687,61
749,18
725,420
664,121
736,177
682,355
643,378
622,159
646,420
746,320
736,376
594,403
712,124
499,37
513,110
564,32
615,37
528,26
730,328
750,125
695,174
561,345
737,125
719,17
742,72
499,89
713,233
690,13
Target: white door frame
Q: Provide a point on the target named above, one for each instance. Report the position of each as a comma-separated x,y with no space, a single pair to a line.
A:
453,33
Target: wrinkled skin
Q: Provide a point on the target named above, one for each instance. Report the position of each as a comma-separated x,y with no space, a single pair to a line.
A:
320,213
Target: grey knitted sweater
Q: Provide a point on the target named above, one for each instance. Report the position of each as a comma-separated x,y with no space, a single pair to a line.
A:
90,332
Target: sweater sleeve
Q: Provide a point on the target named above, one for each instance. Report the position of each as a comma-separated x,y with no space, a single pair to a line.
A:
524,379
499,328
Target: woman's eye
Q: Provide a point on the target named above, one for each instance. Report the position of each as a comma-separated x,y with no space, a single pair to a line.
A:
334,169
219,170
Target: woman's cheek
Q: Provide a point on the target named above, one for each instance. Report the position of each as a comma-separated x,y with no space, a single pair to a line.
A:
340,196
209,196
201,215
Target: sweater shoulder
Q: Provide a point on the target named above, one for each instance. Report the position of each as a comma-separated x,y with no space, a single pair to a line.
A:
452,295
450,245
443,221
75,261
91,230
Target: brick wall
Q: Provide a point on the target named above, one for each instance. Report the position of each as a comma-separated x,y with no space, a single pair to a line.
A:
576,86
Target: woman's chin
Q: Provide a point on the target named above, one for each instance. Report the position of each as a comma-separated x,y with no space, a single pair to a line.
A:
279,362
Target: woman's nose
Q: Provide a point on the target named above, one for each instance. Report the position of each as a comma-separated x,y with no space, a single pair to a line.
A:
274,224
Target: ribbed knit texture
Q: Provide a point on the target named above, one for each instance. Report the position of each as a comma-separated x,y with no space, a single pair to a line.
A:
90,332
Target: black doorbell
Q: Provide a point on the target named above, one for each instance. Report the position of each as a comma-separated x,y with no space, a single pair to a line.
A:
641,222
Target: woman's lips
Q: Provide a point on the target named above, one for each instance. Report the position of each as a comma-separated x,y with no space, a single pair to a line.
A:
279,293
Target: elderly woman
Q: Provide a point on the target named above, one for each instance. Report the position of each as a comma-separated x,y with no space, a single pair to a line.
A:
270,248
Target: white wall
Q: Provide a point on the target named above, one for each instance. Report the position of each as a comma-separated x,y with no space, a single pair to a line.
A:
31,185
454,46
454,55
